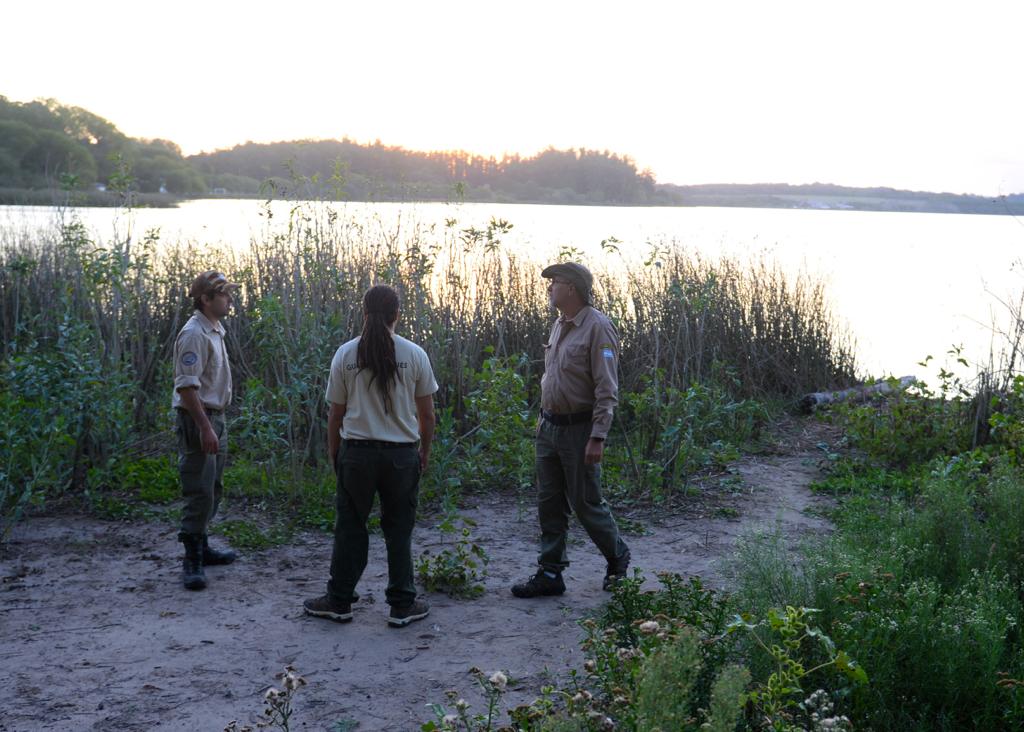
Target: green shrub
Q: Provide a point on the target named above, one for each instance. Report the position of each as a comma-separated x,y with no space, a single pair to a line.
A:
926,589
665,683
668,434
34,447
248,536
500,449
912,427
153,479
800,654
457,570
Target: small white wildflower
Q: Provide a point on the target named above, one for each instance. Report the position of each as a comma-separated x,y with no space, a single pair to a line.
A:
577,699
450,718
649,627
589,667
272,693
462,704
499,681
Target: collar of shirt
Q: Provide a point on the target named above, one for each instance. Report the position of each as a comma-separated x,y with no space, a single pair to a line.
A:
579,319
207,325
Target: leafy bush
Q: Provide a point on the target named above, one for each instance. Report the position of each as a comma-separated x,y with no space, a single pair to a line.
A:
668,434
500,447
34,450
926,588
153,479
458,570
793,645
914,426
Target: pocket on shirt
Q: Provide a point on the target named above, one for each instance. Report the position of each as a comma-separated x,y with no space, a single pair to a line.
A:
578,357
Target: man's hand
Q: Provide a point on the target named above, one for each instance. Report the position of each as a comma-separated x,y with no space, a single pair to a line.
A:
594,451
425,418
208,438
335,417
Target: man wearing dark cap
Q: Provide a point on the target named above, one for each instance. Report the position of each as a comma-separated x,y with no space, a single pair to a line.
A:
202,391
579,391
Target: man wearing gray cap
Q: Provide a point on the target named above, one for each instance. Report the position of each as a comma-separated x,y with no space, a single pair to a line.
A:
202,391
579,391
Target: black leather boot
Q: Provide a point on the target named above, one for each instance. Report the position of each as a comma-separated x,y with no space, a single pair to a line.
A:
192,574
213,556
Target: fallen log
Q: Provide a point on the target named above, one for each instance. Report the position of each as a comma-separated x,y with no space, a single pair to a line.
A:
820,399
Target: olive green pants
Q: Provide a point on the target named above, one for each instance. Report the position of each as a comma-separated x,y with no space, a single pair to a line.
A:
201,473
363,472
566,485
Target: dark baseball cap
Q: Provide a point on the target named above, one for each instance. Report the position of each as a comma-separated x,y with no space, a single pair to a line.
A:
209,282
575,273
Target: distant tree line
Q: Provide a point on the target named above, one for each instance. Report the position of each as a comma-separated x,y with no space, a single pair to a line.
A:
44,144
382,172
828,195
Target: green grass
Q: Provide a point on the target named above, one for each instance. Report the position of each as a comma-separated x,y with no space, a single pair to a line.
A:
246,535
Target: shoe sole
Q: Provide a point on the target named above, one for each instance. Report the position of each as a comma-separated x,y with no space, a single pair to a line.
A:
328,615
402,622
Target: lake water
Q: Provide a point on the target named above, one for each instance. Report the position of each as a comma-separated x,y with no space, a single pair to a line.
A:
906,284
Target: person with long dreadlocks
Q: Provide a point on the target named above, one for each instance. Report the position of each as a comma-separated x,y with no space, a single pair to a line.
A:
379,430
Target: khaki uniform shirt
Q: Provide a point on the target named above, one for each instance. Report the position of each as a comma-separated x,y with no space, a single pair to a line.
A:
201,360
365,418
581,368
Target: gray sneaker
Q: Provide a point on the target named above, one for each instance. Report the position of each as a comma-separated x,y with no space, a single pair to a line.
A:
402,616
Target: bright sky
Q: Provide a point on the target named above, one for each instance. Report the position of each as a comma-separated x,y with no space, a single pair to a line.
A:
920,95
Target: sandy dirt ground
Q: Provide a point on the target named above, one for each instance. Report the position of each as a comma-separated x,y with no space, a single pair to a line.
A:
96,632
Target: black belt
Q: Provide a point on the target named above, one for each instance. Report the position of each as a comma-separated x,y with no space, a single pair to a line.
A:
566,419
378,443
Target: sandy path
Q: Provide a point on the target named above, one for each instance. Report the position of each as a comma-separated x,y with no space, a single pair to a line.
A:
96,633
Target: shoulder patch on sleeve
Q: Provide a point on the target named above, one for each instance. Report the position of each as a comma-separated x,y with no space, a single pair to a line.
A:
607,352
189,358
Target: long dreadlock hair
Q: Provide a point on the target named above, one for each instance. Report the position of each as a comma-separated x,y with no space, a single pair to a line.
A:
376,349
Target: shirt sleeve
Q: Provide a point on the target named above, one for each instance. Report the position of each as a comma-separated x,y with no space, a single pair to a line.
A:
189,360
337,390
604,366
425,382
